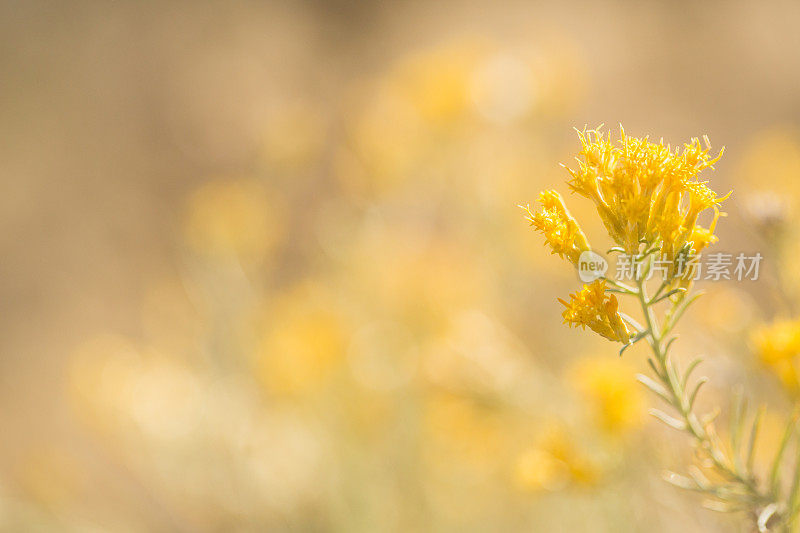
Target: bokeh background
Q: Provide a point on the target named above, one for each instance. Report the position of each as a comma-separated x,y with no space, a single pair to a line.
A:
262,269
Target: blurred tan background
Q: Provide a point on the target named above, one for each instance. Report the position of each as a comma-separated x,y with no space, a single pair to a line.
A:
261,265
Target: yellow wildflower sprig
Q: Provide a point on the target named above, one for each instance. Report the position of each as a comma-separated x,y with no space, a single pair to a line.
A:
561,231
650,199
644,192
592,306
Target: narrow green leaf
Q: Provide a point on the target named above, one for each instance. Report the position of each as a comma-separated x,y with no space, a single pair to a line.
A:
672,374
764,516
652,364
693,396
690,369
669,344
655,387
682,482
721,507
641,335
753,436
698,477
774,476
682,309
738,414
710,417
630,320
667,295
793,493
668,420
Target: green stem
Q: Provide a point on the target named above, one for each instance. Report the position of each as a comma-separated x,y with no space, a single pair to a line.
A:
667,375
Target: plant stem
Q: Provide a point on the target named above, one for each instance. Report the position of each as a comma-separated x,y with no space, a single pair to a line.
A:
703,437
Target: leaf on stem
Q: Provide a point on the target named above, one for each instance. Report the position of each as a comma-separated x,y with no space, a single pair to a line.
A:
673,319
690,369
652,364
630,320
668,420
764,516
669,344
738,414
682,482
665,296
774,477
693,396
641,335
698,477
656,388
721,507
753,436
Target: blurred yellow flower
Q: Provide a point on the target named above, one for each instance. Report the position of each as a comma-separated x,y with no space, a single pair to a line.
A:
399,117
538,469
304,342
418,282
465,432
437,81
778,347
614,397
387,137
555,462
232,219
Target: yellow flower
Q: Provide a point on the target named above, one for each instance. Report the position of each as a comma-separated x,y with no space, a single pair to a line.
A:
561,231
592,307
538,469
778,347
644,191
702,237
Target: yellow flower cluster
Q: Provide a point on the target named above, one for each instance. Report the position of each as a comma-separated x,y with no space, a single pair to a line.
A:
778,347
644,191
560,229
593,307
649,198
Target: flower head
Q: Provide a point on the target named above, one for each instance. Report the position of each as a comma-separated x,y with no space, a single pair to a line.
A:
561,231
649,197
644,191
593,307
